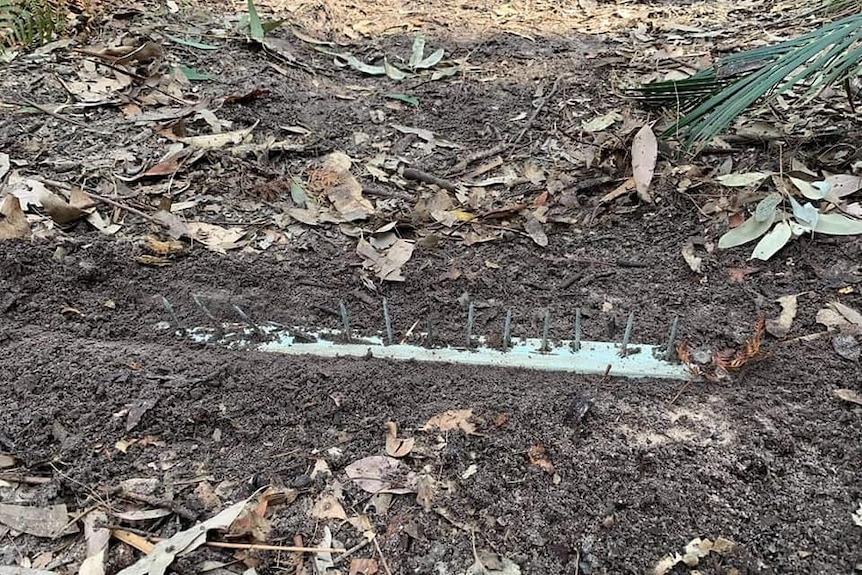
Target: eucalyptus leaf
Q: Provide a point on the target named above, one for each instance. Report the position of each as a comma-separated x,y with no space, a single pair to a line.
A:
297,193
838,225
766,207
769,245
406,98
255,28
361,66
194,75
808,189
749,230
191,43
742,180
418,51
393,72
445,73
807,214
431,60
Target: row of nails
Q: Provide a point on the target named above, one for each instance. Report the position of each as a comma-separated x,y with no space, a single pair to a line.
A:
471,316
507,330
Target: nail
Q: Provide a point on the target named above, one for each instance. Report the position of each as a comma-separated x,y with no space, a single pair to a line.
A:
470,317
670,351
576,343
170,309
429,339
203,308
345,320
507,331
545,329
628,334
246,319
388,320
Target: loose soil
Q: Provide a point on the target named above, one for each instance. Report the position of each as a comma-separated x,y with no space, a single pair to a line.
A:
769,458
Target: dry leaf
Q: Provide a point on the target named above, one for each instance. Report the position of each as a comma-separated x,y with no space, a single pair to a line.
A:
848,395
51,521
539,457
452,419
216,238
395,446
13,222
342,189
375,474
327,506
693,261
536,231
215,141
644,156
620,190
97,544
387,265
781,327
363,567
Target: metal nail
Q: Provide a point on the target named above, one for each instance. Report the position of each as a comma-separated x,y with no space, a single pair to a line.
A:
244,316
345,320
546,327
388,320
628,334
429,339
576,343
203,308
670,351
170,309
470,317
507,331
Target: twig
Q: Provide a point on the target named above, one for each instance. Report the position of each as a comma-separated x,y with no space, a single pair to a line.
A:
476,156
425,177
28,479
157,502
285,548
680,392
538,109
382,558
343,557
122,206
54,114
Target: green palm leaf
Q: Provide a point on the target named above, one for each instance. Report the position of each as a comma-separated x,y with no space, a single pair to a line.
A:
830,54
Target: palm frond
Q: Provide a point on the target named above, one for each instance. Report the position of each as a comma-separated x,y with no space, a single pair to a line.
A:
830,54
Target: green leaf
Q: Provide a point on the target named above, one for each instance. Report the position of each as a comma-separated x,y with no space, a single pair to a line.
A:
255,28
766,207
195,75
361,66
191,43
297,193
742,180
445,73
807,215
418,51
838,225
431,60
412,100
271,25
810,189
769,245
749,230
393,72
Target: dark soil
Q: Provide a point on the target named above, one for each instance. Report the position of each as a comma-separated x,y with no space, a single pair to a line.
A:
769,458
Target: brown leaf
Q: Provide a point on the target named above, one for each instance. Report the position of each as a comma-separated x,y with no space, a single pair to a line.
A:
395,446
376,474
536,231
848,395
644,156
452,419
539,458
13,222
327,506
363,567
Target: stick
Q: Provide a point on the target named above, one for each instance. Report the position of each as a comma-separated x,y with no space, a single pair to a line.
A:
53,114
476,156
425,177
537,110
341,558
285,548
163,503
382,558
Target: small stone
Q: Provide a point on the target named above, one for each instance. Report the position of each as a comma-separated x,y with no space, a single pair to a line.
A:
609,521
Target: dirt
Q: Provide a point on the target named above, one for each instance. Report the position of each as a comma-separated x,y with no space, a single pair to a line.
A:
769,458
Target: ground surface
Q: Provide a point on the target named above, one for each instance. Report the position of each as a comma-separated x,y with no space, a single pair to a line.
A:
769,459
